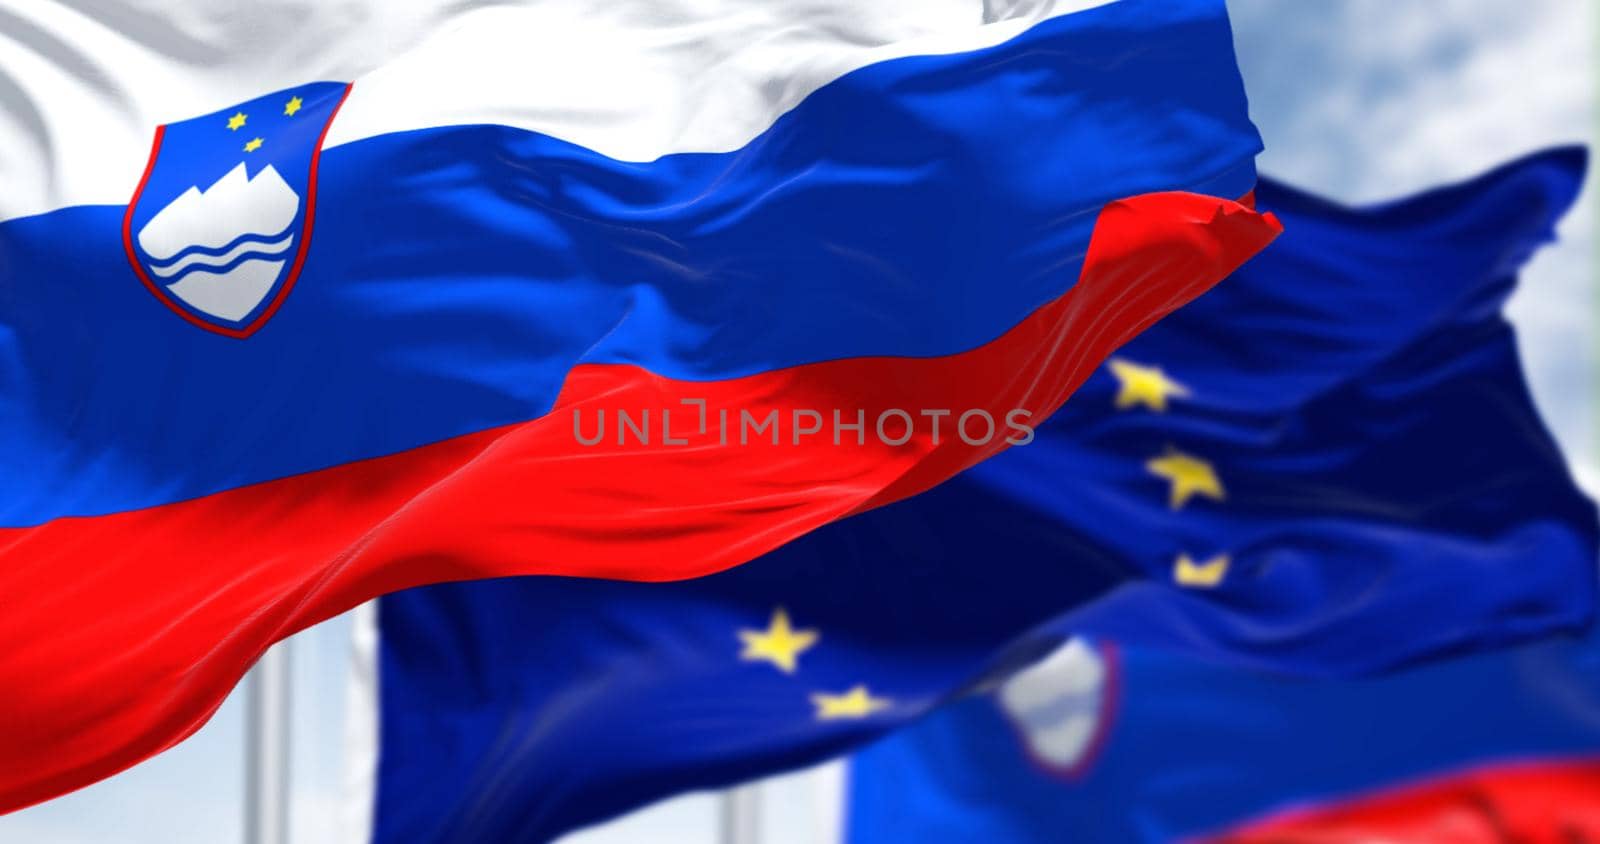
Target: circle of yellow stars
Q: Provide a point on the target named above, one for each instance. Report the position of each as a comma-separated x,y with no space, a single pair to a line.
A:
781,644
238,120
1188,476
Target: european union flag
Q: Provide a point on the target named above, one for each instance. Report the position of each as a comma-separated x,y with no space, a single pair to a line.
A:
1330,464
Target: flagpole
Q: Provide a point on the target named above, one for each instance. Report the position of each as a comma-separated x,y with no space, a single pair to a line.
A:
266,780
741,815
359,788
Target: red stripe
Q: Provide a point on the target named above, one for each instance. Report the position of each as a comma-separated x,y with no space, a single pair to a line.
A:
1551,802
131,627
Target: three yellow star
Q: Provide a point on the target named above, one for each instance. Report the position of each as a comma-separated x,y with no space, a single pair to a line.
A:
253,145
780,644
292,106
1189,476
236,121
856,703
1146,385
1206,575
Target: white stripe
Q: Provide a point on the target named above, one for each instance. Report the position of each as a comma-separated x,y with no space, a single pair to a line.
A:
213,261
81,92
80,95
638,80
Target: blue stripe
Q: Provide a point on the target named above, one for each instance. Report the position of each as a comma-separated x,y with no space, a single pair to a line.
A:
916,207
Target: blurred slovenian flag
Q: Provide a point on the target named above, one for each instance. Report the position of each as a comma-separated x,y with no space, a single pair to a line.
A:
609,291
1101,742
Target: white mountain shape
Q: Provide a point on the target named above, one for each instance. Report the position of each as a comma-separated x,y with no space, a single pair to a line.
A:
233,206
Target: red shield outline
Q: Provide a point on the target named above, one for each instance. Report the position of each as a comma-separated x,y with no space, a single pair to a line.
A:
254,325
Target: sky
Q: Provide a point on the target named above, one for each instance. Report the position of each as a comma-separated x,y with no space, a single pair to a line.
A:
1359,100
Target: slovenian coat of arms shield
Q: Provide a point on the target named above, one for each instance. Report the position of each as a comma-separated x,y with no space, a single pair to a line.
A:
219,226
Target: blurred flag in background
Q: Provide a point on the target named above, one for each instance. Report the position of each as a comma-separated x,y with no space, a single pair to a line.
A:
1327,465
1102,743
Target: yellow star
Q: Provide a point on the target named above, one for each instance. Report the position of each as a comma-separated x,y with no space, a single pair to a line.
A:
1190,476
253,145
1146,385
292,106
779,644
1204,575
236,121
856,703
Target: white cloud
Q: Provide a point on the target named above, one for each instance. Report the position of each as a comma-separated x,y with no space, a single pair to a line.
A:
1373,99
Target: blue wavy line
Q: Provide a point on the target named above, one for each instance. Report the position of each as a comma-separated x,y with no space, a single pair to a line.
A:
219,250
222,268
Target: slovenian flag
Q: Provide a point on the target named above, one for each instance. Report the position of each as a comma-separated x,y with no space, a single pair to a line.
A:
1103,743
296,312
